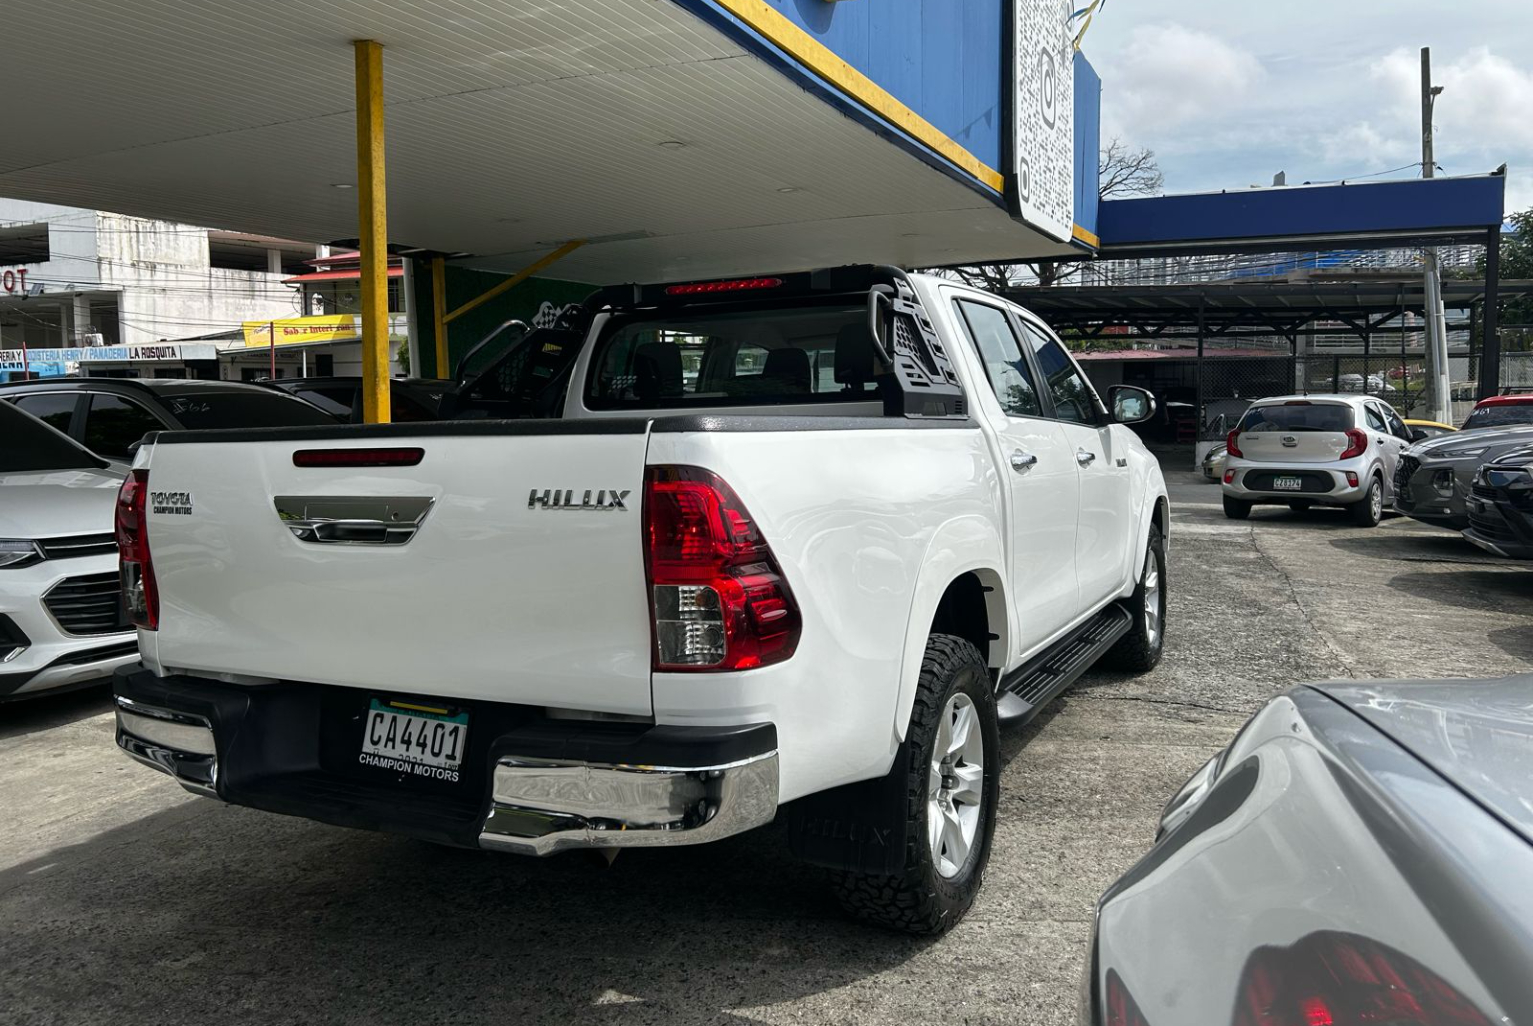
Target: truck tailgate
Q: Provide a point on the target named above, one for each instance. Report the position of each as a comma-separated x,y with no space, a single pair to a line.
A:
494,596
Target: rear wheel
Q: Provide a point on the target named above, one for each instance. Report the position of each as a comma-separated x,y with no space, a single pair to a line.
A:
1370,510
1139,650
1236,509
1300,505
951,788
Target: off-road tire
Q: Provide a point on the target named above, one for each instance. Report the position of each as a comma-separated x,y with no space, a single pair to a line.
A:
920,900
1365,513
1139,650
1301,505
1236,509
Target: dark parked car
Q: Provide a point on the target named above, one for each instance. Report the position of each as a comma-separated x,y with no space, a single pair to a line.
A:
1360,854
1433,478
1501,505
108,415
410,399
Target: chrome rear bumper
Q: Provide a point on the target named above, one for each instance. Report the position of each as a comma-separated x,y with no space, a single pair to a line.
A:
543,806
177,743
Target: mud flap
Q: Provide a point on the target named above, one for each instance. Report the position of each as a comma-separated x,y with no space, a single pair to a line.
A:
859,827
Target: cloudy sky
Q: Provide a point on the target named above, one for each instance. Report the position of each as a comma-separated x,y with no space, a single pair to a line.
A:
1229,93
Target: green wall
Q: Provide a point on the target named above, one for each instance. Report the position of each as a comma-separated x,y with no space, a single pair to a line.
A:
521,302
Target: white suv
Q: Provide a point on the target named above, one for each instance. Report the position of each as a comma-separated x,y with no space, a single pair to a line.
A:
1328,450
62,621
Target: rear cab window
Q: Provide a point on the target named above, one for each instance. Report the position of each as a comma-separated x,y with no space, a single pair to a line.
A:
805,353
1297,416
1500,415
242,409
114,423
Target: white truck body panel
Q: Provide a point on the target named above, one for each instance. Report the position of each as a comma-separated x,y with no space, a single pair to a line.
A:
491,599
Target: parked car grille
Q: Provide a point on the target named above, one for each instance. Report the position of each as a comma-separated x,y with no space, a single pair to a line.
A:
1404,471
1485,518
78,545
12,640
1311,481
88,604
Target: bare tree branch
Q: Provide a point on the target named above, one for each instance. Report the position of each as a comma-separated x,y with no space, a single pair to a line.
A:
1120,172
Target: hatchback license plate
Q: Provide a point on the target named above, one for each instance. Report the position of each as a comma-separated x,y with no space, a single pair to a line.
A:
1288,484
419,740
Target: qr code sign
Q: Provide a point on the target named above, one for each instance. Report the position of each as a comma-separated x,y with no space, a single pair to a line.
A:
1043,136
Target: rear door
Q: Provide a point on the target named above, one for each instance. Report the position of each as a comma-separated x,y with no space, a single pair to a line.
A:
1296,431
522,582
1106,533
1039,473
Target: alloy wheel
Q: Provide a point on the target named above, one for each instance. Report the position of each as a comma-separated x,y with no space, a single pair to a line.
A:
956,785
1151,598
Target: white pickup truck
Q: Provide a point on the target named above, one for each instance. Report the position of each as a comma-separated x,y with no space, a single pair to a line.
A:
797,541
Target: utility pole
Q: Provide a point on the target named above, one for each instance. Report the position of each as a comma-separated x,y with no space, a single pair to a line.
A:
1439,383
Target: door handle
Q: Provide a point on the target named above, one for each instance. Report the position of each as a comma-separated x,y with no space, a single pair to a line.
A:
1022,460
1083,457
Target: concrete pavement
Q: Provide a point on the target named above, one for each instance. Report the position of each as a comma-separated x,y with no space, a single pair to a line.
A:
122,899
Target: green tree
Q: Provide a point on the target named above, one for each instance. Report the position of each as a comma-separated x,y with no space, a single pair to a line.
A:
1516,265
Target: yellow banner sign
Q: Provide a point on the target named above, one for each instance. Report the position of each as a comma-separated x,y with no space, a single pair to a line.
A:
291,330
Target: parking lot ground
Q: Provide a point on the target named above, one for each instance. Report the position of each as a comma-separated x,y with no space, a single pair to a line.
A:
122,899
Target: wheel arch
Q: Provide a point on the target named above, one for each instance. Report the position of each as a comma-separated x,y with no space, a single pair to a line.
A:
1159,516
961,586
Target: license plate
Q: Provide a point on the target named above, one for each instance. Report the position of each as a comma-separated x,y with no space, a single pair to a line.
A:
420,740
1288,484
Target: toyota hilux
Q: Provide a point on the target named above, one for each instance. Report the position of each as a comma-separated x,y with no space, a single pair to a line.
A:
797,541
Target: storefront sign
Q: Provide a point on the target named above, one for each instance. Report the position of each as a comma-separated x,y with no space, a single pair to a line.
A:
148,353
292,330
14,279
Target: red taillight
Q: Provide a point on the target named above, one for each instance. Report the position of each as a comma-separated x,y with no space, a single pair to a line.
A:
1229,477
1357,444
698,288
718,597
1342,979
1230,447
135,569
357,457
1121,1008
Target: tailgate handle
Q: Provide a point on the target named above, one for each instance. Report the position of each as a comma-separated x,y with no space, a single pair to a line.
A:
343,520
352,532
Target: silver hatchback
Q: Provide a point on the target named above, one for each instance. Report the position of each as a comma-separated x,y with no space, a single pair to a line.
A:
1303,451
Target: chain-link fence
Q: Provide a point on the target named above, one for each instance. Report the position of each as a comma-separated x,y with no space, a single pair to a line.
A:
1398,380
1228,384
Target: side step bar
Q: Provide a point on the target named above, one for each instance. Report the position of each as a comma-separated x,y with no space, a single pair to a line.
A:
1034,684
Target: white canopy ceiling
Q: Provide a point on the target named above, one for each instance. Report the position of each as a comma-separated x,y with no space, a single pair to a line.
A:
512,126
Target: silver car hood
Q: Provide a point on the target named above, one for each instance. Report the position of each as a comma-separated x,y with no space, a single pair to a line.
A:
54,503
1477,734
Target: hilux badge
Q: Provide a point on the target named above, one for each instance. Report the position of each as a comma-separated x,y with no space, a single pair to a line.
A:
605,499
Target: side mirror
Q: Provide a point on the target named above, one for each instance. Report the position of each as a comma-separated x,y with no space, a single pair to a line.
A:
1130,405
1418,435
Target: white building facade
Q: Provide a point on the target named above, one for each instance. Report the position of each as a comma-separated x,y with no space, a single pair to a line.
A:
71,278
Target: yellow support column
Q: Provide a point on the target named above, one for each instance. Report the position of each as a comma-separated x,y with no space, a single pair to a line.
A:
372,231
439,314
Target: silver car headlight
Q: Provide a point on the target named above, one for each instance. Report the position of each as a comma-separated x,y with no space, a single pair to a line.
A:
18,552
